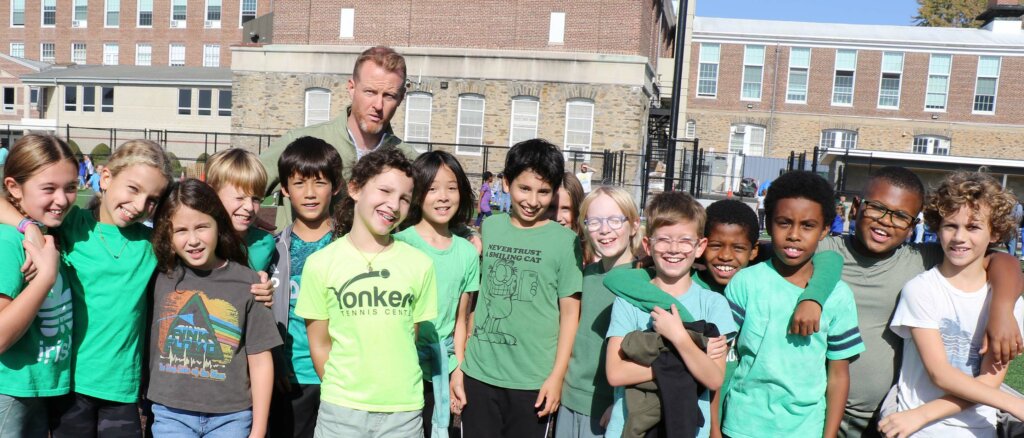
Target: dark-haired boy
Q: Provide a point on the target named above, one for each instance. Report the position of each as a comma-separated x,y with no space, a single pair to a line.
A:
877,265
527,311
311,174
782,385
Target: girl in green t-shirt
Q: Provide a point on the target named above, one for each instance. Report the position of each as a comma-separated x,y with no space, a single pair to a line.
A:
35,315
442,199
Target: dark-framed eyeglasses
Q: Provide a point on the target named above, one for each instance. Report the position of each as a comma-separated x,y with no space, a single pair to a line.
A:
876,211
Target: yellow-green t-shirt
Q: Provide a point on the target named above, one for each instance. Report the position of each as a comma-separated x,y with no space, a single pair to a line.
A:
373,364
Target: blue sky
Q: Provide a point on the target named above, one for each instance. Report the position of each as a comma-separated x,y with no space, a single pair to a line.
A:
898,12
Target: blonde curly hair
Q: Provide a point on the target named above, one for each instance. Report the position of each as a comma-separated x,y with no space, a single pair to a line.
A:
973,190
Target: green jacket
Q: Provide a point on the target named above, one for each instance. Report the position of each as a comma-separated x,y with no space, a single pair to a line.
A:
334,132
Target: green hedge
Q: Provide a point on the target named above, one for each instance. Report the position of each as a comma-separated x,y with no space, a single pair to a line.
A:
100,154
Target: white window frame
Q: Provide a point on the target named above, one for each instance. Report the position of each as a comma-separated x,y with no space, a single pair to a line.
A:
42,13
702,62
79,52
223,111
111,53
184,110
691,129
104,107
853,78
750,61
13,2
520,103
70,91
139,11
932,144
795,68
16,50
139,52
183,21
977,82
556,28
84,4
841,139
584,103
413,108
347,23
899,83
107,11
200,109
242,11
8,107
86,106
170,55
210,23
324,114
211,55
42,52
747,130
935,76
459,138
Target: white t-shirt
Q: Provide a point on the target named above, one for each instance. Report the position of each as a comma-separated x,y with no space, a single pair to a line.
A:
585,178
930,301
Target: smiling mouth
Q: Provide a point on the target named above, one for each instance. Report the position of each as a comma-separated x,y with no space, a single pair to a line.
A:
195,254
792,252
724,269
126,215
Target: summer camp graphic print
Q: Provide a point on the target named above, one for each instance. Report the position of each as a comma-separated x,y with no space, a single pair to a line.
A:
198,335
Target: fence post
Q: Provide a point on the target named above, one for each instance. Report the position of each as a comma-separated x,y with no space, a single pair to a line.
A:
789,163
113,139
699,178
215,144
803,160
67,131
487,154
645,177
814,161
694,169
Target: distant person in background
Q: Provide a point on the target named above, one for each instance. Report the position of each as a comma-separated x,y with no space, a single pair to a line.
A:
852,214
1018,216
838,223
504,199
761,192
3,158
89,169
485,198
82,171
94,180
585,176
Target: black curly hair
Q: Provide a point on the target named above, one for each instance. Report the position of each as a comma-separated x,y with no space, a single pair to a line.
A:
801,184
732,212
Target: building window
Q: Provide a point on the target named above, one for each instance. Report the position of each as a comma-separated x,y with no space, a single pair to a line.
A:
8,100
846,70
145,15
33,96
556,29
707,77
78,53
691,129
799,65
81,13
47,52
107,105
525,115
248,11
839,139
753,66
213,13
470,130
17,13
931,145
988,82
211,55
143,54
113,15
88,99
205,102
179,9
938,82
348,23
418,107
579,125
177,55
110,53
185,101
892,77
318,106
49,12
224,103
17,50
746,139
70,98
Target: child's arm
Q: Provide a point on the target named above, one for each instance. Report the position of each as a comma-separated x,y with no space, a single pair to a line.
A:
263,291
319,344
621,371
708,372
463,323
828,270
568,321
17,314
1002,334
261,379
836,392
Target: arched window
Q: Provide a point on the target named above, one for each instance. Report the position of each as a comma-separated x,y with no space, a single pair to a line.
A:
525,116
691,129
471,124
318,106
579,124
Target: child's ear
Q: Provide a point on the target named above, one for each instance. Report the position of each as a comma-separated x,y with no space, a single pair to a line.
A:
702,244
353,191
753,251
105,177
13,187
646,242
284,191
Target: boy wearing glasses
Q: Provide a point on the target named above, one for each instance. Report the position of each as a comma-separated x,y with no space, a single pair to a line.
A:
790,385
877,265
674,238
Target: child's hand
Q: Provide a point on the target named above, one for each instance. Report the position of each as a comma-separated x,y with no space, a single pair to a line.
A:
902,424
717,347
549,396
805,318
1002,335
45,259
35,235
458,391
263,291
669,325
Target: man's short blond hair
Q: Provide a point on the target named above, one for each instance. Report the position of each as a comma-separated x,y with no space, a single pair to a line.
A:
239,168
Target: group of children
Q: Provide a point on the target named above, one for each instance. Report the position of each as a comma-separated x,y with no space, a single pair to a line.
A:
374,318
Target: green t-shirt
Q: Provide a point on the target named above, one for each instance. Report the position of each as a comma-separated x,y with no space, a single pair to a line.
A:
525,272
458,271
778,388
110,269
709,285
39,363
373,365
297,346
586,388
261,247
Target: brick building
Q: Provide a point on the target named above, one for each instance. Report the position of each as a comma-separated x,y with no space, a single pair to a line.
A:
925,98
126,32
580,74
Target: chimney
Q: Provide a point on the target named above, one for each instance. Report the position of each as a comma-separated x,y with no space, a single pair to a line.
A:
1003,16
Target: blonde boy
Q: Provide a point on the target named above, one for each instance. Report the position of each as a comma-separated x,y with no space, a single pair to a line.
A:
238,177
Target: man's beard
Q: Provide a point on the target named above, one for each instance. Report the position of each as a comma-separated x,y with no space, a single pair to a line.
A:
363,126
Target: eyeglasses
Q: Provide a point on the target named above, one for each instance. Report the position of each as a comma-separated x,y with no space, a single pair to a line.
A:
613,222
877,212
662,244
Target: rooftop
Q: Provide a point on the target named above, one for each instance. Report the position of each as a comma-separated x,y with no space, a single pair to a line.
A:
132,74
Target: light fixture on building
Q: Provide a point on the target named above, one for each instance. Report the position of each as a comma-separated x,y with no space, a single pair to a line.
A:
935,117
444,85
750,106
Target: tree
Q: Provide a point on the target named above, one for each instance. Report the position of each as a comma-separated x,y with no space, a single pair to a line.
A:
949,13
